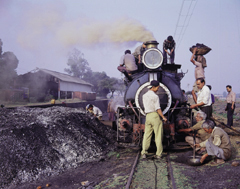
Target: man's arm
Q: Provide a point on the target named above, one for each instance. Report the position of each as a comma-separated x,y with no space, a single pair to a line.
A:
193,55
197,105
159,111
194,96
233,100
139,58
185,130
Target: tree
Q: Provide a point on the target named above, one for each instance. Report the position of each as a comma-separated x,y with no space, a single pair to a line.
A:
8,65
110,84
78,65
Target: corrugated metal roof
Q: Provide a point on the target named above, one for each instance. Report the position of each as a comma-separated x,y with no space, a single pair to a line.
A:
64,77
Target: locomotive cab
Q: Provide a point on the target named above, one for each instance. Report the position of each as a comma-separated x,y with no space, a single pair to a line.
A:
170,95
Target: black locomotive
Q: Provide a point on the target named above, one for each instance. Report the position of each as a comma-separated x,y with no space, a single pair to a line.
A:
131,117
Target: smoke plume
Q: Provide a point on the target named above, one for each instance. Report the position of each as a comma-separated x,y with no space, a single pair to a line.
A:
52,24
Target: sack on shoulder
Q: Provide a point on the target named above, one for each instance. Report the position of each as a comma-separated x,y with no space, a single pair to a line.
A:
201,49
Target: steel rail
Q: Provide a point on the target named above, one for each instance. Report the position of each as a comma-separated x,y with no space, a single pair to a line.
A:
132,171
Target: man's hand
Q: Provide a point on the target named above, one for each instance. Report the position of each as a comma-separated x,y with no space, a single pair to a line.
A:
193,106
164,118
232,107
197,145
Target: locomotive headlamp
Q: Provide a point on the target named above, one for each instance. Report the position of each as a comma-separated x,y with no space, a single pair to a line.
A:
152,58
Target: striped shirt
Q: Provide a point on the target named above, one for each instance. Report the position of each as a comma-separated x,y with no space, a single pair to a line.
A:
231,97
167,45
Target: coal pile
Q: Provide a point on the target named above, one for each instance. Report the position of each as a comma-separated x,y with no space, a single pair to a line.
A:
35,143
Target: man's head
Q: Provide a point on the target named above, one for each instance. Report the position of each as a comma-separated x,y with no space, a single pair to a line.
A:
89,107
229,88
170,39
208,126
144,45
200,116
154,85
200,83
127,52
183,91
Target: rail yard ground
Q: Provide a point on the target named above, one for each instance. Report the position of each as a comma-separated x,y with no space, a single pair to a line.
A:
112,169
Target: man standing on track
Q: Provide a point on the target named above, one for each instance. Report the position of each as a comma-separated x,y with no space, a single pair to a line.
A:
153,122
231,99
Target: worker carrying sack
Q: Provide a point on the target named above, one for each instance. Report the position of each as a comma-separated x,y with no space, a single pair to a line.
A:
201,49
202,59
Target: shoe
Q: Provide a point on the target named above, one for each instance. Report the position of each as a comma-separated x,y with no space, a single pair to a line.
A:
144,156
157,157
217,162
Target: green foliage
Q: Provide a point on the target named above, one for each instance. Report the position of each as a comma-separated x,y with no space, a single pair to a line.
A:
102,83
78,65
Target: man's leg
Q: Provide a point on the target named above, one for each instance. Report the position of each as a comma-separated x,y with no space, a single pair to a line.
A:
213,150
172,56
158,130
230,115
147,136
164,57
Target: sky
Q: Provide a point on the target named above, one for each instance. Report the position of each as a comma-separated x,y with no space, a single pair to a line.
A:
43,33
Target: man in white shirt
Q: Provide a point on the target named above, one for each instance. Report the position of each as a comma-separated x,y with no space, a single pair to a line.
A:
95,111
153,122
204,100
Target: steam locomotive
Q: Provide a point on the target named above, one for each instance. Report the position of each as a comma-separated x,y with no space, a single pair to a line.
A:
131,117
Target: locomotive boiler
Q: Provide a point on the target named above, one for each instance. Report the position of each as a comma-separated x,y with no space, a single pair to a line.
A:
131,117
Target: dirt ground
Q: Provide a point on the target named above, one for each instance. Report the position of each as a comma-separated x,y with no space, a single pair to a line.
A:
113,170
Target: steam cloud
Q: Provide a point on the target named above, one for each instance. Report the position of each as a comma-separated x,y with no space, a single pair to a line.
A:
52,25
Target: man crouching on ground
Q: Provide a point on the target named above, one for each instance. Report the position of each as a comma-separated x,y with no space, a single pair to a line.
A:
153,122
217,145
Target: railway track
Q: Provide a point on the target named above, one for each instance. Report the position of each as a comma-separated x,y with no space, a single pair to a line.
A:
156,173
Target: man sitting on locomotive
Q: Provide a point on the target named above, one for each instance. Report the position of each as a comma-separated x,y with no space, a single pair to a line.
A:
153,122
170,44
204,101
128,65
218,145
201,134
138,53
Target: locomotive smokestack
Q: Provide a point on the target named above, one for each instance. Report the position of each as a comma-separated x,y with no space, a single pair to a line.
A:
151,44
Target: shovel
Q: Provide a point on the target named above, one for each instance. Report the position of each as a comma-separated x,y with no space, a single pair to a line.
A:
194,160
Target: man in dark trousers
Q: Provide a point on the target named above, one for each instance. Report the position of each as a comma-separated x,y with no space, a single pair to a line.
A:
153,122
169,44
231,99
